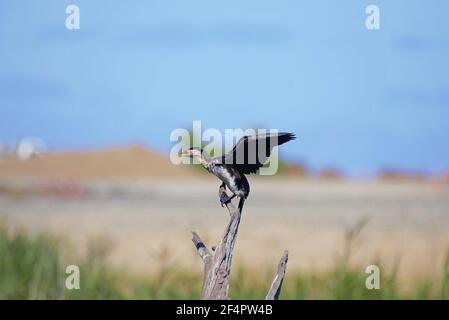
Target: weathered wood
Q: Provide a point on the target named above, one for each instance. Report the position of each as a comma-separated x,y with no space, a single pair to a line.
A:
217,265
204,254
199,245
275,289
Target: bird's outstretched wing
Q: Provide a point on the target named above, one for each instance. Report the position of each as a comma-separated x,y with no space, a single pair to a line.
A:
251,152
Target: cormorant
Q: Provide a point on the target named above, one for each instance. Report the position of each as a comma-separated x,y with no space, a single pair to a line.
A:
248,155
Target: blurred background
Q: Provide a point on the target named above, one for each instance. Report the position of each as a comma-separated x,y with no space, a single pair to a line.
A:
85,123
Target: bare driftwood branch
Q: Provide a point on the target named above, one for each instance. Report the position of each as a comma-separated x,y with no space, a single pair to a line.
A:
217,266
275,289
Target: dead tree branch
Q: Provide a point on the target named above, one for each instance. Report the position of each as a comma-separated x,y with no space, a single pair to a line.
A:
275,289
217,266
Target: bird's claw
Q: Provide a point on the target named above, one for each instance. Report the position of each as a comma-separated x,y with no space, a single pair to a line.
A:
222,194
224,199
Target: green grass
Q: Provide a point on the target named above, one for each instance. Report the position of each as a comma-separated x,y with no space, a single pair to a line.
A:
33,267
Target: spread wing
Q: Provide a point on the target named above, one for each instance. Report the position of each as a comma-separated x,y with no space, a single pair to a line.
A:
251,152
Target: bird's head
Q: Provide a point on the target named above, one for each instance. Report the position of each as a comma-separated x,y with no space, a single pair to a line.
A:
192,153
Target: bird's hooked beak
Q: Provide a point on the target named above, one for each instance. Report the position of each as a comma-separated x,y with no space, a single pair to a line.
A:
185,153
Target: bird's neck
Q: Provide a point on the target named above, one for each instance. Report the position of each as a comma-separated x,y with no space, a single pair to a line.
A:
205,160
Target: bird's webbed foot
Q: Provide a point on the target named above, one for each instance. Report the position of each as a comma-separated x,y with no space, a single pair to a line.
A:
222,194
224,199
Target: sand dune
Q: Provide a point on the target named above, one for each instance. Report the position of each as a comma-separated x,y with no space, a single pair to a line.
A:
134,162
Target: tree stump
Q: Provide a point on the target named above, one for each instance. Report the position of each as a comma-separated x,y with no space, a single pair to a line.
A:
217,265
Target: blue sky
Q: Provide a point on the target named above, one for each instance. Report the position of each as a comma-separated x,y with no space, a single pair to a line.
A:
358,100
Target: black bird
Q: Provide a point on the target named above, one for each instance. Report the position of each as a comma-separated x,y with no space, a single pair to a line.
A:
248,155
